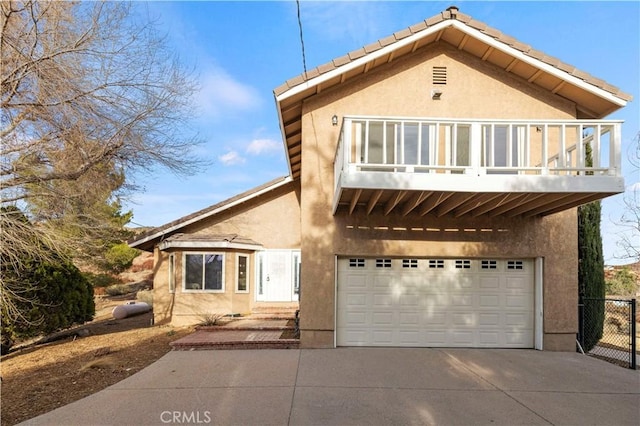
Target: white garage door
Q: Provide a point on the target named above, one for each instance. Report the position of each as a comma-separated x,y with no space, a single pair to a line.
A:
435,302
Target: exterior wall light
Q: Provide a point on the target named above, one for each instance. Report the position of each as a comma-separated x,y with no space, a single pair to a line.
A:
334,120
436,94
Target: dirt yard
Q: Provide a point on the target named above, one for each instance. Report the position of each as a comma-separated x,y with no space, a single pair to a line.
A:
41,378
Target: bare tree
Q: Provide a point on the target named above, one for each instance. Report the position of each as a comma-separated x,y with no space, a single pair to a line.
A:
89,93
629,237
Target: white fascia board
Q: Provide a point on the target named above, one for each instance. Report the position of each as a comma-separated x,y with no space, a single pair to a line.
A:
283,182
363,60
471,32
208,245
550,69
486,183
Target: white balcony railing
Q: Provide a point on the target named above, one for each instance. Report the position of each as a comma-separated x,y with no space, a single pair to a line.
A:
479,147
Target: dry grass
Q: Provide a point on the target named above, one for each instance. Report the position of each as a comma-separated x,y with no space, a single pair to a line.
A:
39,379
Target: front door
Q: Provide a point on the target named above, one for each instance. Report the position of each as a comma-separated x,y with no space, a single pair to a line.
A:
278,276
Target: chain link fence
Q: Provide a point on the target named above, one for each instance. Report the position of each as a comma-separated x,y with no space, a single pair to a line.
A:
607,330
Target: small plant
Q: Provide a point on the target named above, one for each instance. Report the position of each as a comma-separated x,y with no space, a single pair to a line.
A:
623,283
145,296
100,280
209,319
119,257
117,289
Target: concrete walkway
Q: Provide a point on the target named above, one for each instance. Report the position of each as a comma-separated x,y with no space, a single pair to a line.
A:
365,386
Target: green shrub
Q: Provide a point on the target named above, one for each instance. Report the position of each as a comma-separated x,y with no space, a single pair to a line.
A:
117,290
100,280
59,298
145,296
623,283
119,257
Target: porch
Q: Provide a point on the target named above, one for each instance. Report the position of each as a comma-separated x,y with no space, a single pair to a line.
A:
474,167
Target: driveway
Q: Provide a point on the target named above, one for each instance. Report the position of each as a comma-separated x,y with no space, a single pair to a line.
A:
373,386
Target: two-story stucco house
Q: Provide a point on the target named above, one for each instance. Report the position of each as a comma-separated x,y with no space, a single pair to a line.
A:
431,199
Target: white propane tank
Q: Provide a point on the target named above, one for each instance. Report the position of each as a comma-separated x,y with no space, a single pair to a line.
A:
130,309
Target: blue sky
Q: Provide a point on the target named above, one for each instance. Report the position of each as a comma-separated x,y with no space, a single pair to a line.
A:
241,51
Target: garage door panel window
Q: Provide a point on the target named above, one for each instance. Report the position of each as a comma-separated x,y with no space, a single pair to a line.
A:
356,263
204,272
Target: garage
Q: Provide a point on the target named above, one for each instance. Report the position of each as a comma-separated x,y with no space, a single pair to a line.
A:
435,302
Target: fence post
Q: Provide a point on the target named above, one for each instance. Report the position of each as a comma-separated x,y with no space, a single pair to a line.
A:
633,334
581,323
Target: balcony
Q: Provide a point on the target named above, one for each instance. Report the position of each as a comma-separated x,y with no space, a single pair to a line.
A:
474,167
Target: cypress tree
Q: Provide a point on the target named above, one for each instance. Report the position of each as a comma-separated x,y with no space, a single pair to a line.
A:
591,283
591,272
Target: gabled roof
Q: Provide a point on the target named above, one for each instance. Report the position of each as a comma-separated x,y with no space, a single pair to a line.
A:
147,240
594,98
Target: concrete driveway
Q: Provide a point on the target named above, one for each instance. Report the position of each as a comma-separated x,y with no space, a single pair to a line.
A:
373,386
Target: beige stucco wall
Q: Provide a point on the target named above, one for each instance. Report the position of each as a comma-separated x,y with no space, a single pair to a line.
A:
474,89
272,220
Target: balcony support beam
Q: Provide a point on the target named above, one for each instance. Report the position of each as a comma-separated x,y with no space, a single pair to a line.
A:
415,201
452,203
373,200
541,201
475,203
394,201
432,202
514,204
354,200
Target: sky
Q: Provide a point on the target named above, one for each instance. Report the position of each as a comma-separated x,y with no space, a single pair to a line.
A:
241,51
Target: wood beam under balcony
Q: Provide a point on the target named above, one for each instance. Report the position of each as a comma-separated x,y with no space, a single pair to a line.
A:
373,200
544,200
453,202
354,200
394,201
490,206
434,201
475,203
514,204
415,201
563,204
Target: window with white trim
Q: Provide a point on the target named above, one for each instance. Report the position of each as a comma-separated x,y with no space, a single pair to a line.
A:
242,273
204,271
172,273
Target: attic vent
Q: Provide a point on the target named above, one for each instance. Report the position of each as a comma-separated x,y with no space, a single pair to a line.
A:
440,75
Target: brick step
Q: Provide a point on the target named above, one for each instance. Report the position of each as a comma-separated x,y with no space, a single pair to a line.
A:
273,316
230,338
265,344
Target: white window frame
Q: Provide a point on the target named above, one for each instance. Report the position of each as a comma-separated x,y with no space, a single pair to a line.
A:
246,272
203,290
172,273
